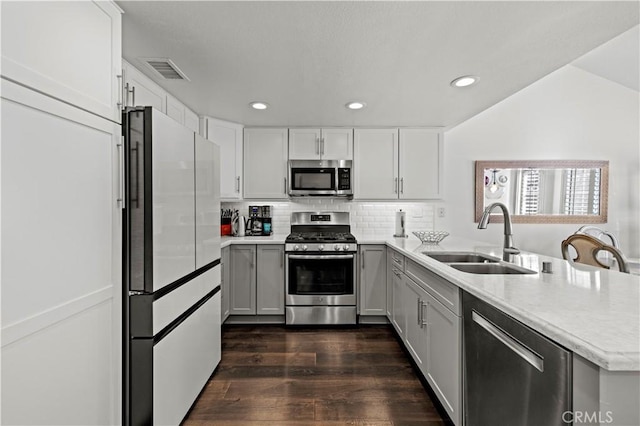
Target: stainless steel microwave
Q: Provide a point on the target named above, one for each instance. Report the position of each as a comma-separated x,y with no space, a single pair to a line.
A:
324,178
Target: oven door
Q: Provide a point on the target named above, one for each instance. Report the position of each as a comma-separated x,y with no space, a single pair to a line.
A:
312,180
320,279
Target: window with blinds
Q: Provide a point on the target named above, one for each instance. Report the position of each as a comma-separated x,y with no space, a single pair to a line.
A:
582,191
529,194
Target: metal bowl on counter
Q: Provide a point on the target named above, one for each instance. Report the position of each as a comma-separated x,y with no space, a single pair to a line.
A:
430,237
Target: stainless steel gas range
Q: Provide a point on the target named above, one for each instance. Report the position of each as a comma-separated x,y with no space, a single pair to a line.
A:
321,259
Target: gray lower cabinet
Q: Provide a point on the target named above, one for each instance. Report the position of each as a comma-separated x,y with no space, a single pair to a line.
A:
224,291
416,337
398,315
395,273
373,279
270,280
242,283
444,356
426,313
256,279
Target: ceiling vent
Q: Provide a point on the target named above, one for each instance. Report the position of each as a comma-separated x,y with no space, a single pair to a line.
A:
165,68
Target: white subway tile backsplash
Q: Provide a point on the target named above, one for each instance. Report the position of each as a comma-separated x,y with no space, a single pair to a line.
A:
366,217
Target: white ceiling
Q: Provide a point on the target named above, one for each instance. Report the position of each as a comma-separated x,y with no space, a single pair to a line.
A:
307,59
617,60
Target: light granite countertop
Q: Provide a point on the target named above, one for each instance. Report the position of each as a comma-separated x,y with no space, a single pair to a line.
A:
592,312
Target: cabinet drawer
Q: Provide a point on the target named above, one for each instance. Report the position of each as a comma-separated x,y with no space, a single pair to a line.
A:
396,260
446,293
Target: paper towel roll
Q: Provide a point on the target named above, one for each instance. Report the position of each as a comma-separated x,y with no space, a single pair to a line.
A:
400,224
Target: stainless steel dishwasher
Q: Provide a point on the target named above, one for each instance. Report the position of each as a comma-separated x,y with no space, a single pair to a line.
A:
512,374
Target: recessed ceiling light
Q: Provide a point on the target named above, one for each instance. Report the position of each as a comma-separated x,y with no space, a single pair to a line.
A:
356,105
464,81
259,105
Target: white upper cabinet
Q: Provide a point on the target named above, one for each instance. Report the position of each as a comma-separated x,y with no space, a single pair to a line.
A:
191,120
304,144
325,144
420,164
337,144
265,163
183,115
229,137
375,164
140,90
175,109
391,164
44,48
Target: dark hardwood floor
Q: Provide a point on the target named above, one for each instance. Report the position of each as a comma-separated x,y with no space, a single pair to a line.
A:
272,375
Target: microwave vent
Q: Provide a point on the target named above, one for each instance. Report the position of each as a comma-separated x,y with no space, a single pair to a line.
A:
165,68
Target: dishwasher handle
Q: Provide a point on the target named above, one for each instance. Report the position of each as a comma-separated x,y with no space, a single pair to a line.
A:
522,351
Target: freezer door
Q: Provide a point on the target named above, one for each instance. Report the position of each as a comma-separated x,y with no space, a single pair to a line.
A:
183,362
207,169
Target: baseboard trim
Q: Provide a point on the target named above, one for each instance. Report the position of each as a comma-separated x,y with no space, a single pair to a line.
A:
255,319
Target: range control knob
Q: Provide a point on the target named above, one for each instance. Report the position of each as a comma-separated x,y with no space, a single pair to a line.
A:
296,247
337,247
321,247
304,247
345,247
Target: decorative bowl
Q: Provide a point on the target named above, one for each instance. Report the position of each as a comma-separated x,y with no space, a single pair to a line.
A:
431,237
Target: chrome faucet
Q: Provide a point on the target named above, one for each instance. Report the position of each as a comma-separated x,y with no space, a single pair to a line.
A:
508,249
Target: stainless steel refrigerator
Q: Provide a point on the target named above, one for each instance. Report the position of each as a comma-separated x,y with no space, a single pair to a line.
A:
171,267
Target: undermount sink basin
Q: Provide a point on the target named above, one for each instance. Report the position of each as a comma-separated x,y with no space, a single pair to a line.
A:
490,268
461,257
477,263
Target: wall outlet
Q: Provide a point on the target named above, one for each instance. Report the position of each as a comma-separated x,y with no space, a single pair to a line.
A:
441,211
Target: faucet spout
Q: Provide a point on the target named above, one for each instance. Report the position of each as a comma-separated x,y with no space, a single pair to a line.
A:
508,248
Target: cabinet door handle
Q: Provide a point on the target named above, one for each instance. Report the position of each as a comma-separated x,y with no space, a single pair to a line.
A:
238,184
395,185
318,146
285,186
402,185
419,312
322,146
126,94
424,321
119,103
362,256
133,95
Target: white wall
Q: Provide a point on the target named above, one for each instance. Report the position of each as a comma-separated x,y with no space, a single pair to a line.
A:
569,114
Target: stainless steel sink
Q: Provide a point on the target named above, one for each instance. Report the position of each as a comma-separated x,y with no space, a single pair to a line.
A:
461,257
490,268
476,263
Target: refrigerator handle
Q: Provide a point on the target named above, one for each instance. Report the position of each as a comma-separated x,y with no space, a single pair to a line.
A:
136,149
120,198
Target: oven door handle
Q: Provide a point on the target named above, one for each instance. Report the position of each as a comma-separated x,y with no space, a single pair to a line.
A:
321,256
